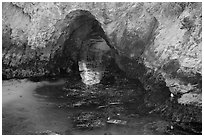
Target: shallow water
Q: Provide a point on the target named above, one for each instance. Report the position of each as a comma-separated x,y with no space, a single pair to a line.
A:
37,108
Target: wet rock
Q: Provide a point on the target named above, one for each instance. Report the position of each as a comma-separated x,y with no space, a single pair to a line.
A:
184,118
88,120
159,126
116,121
191,98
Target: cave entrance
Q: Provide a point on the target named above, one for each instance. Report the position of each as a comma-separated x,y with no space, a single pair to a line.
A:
87,46
91,63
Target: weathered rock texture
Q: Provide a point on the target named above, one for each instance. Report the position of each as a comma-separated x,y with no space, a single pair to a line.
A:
157,43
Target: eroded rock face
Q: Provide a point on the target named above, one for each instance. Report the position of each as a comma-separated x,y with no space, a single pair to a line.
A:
165,51
157,43
49,50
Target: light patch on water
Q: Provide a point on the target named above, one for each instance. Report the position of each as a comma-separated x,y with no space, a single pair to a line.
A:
89,77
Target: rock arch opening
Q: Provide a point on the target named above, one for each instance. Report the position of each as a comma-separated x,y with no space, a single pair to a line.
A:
84,43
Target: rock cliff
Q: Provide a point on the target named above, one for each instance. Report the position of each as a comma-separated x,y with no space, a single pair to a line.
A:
157,43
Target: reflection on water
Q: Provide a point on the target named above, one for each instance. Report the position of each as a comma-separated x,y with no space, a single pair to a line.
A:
67,108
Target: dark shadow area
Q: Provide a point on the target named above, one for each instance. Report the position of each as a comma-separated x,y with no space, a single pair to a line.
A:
102,107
